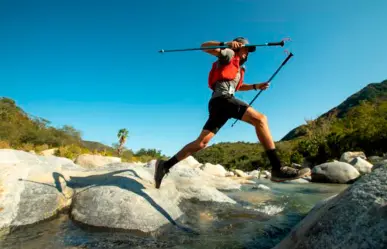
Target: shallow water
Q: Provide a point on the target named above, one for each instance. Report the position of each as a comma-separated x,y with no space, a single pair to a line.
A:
260,220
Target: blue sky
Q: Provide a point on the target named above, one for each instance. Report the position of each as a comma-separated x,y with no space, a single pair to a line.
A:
94,64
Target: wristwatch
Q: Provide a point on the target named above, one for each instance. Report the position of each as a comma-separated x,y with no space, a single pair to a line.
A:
221,43
255,87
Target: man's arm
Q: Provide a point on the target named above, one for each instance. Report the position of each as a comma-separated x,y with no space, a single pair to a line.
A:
248,87
216,51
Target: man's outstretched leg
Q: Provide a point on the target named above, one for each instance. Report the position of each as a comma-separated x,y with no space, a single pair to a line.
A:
279,172
162,167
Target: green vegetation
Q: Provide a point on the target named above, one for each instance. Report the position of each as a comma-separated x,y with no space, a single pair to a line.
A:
21,131
352,126
359,123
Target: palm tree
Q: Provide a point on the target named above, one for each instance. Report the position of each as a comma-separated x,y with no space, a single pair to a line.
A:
122,135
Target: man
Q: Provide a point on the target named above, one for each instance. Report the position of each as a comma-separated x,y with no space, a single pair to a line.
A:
225,78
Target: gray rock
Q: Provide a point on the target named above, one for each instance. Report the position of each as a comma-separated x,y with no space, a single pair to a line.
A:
254,173
125,202
361,165
300,180
216,170
348,156
240,173
261,186
28,193
355,218
334,172
117,195
296,166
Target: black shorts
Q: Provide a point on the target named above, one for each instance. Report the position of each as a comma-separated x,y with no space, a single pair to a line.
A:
221,109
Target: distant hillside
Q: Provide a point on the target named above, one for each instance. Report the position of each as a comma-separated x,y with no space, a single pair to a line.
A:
373,92
18,128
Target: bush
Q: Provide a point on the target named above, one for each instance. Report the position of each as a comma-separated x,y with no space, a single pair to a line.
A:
26,147
4,144
71,151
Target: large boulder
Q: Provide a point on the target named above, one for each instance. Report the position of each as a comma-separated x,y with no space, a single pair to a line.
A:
92,161
334,172
28,193
124,200
361,165
216,170
348,156
355,218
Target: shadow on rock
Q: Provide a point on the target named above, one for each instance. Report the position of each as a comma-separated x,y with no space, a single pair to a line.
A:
112,179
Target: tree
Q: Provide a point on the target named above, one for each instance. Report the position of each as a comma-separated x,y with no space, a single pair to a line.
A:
122,136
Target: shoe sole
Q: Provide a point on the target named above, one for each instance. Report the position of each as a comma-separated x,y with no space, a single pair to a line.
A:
289,179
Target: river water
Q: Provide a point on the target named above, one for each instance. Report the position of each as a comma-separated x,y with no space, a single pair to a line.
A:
260,220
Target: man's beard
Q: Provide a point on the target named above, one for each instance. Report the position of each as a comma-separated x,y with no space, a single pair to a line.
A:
242,61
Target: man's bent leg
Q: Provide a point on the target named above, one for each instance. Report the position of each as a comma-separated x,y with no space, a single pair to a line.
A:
279,173
192,147
259,121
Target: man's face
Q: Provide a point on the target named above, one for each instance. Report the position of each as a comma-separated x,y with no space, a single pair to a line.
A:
243,53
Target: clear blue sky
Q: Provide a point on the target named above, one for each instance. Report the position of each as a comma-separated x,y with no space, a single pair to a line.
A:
94,64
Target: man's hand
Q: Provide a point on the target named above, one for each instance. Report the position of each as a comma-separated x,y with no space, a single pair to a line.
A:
263,85
234,44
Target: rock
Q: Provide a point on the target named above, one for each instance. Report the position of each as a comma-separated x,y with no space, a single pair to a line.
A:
245,181
216,170
230,174
300,180
254,173
261,186
347,157
115,195
91,161
122,200
334,172
361,165
355,218
28,192
296,166
190,162
267,174
49,152
240,173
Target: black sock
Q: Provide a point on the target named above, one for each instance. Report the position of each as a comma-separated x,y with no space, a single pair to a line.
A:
172,161
274,159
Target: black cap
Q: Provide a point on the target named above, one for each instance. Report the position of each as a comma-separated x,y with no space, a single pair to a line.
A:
245,42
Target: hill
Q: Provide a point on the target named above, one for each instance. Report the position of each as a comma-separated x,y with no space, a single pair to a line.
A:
24,131
373,92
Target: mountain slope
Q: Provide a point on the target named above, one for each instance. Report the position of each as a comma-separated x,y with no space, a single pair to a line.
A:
373,92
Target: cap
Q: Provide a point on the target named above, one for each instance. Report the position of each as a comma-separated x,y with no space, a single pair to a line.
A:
245,42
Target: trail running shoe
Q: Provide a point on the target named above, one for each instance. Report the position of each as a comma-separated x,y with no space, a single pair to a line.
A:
287,173
160,172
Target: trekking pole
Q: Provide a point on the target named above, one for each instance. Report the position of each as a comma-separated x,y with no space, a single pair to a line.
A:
271,78
281,43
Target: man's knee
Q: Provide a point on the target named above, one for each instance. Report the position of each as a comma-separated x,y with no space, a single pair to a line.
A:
259,119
